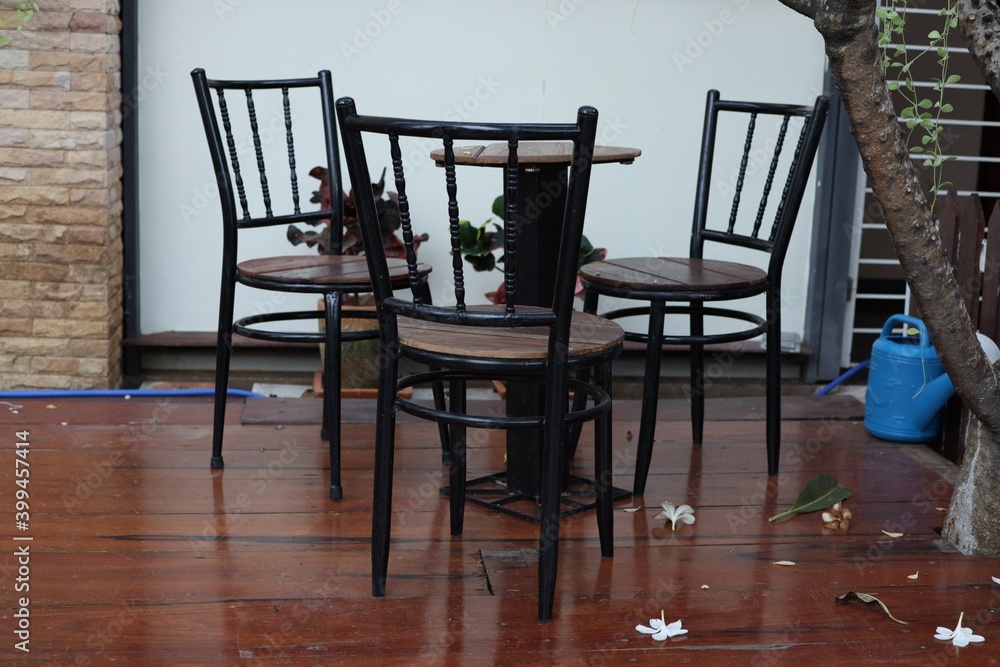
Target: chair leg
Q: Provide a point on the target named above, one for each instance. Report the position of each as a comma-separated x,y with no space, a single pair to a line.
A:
385,434
579,399
223,354
437,388
650,397
331,389
457,467
602,469
773,389
549,496
697,376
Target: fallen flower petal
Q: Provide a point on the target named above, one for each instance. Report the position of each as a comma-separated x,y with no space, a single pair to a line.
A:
674,629
660,629
784,562
892,534
995,580
915,575
960,637
632,509
655,625
680,514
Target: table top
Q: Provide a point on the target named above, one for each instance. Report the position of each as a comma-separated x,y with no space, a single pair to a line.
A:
533,153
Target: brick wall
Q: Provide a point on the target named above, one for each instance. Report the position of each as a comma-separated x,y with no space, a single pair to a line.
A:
60,197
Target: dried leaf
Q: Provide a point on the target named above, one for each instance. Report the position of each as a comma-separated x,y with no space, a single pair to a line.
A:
892,534
784,562
821,492
869,599
915,575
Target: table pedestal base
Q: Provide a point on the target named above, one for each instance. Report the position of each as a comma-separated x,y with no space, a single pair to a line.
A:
492,493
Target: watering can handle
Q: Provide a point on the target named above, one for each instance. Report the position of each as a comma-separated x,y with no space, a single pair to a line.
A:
891,323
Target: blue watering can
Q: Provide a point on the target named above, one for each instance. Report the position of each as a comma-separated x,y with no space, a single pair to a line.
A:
907,385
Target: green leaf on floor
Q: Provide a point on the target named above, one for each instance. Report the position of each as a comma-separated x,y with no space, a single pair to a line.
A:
821,492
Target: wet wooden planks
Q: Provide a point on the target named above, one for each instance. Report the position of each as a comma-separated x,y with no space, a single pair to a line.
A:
144,556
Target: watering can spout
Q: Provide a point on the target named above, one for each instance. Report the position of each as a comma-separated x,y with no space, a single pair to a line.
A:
931,399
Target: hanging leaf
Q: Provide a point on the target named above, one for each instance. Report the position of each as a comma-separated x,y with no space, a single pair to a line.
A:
869,599
821,492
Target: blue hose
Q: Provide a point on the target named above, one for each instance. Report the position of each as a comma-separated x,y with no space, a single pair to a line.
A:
823,391
103,393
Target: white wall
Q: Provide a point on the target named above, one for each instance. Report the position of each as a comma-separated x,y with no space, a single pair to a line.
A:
645,64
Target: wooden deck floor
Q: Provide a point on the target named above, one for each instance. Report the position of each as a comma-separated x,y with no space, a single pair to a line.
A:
140,555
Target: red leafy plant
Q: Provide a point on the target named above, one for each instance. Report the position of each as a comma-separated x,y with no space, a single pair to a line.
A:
386,206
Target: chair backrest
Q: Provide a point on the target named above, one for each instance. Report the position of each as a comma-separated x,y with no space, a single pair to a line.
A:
768,170
428,134
256,151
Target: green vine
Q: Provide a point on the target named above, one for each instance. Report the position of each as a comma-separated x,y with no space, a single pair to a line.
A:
922,114
25,12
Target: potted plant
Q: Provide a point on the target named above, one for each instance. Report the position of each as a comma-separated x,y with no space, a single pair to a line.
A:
359,366
480,243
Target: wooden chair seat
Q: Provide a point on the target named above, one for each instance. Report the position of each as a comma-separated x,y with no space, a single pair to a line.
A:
589,334
673,274
322,270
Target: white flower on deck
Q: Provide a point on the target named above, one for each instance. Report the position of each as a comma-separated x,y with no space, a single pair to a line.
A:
960,636
660,629
681,514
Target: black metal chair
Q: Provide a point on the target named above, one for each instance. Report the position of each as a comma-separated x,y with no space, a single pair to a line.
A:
469,342
264,135
694,281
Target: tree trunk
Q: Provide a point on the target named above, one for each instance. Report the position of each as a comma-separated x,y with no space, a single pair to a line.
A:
979,22
848,29
973,521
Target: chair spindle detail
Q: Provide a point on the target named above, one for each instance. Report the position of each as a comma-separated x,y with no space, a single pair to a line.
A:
290,141
510,226
779,144
259,153
234,159
796,157
747,145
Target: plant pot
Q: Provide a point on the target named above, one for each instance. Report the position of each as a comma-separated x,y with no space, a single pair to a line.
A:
358,359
